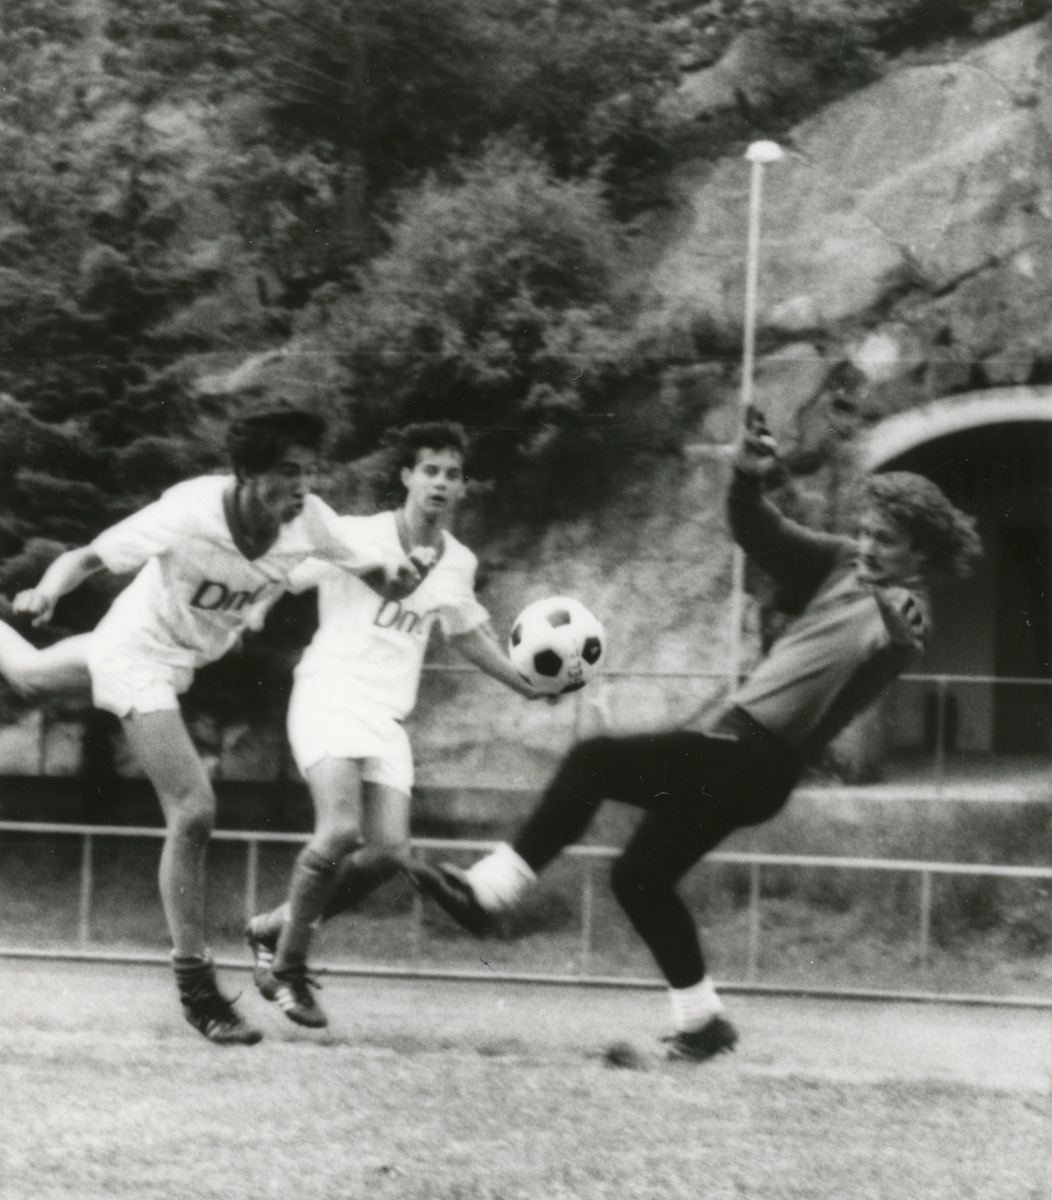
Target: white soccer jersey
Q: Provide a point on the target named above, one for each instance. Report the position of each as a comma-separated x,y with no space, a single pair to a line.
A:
196,591
375,647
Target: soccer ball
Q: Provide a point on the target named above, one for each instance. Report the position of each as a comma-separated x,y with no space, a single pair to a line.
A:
557,645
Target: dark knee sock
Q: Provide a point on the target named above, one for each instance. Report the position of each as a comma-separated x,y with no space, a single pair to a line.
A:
193,973
664,923
312,877
357,877
269,924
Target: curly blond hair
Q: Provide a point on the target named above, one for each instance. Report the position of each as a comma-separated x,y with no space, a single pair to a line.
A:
946,536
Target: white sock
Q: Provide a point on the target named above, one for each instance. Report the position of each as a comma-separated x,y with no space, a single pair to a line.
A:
499,879
693,1007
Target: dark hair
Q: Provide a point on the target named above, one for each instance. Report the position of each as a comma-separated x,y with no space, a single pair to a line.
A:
942,533
257,441
404,445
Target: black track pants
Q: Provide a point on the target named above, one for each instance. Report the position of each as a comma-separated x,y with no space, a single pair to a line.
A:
696,789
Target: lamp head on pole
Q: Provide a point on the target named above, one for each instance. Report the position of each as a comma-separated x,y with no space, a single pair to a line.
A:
764,152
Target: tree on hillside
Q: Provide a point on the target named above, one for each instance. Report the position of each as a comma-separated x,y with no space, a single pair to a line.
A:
187,177
495,305
100,264
382,91
184,176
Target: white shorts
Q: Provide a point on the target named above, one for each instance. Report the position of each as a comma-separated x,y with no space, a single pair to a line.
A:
122,684
327,720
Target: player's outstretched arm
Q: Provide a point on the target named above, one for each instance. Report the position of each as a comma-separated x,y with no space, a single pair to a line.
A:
66,573
480,647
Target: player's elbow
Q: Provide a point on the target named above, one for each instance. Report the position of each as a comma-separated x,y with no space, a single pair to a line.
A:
70,570
82,561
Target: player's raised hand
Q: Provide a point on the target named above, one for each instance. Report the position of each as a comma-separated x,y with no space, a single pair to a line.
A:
401,581
423,559
756,451
397,582
37,603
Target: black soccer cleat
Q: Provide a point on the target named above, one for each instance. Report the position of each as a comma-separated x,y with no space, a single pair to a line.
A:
696,1045
449,888
264,946
214,1016
293,995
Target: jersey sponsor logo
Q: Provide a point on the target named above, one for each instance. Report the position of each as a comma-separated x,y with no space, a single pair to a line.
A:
393,616
213,596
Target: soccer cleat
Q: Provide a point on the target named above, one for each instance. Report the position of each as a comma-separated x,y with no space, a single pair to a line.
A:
213,1015
714,1037
293,995
263,946
449,888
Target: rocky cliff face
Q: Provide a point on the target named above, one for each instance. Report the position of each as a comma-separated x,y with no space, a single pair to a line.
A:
907,255
906,246
655,566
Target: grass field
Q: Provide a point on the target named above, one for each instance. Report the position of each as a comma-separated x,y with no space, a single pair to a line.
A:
447,1091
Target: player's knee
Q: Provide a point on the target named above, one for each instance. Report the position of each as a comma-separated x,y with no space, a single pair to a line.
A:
192,817
396,854
631,883
337,840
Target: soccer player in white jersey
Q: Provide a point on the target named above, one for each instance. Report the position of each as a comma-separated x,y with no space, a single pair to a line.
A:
212,555
356,683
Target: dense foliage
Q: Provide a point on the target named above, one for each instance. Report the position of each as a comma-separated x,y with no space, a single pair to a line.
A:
435,195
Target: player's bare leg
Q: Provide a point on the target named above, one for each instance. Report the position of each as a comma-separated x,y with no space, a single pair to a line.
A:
385,826
163,748
336,790
60,669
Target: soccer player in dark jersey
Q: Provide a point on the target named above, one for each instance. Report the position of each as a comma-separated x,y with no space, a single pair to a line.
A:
860,618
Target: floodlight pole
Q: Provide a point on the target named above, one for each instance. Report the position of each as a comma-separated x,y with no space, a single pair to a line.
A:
759,154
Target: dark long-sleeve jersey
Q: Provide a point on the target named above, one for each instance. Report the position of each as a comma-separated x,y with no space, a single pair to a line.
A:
848,639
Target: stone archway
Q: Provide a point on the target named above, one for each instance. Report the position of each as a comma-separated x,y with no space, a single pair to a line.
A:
991,452
899,435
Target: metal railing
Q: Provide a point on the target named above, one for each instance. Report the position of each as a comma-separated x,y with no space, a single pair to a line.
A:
589,856
938,787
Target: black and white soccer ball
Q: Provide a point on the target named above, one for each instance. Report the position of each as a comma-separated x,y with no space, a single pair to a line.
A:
557,644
